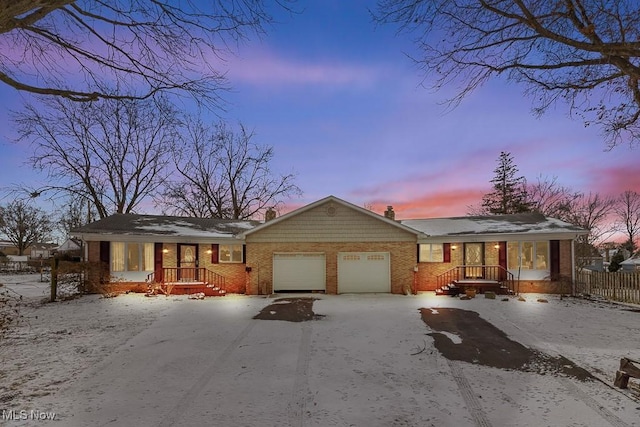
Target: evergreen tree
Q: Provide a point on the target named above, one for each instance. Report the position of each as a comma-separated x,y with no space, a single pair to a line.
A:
509,193
615,261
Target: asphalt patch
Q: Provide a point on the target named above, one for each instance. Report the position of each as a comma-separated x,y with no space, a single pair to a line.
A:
290,310
463,335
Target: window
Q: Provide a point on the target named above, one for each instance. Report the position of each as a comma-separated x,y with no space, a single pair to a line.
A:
117,256
542,256
131,256
147,256
231,253
528,255
431,252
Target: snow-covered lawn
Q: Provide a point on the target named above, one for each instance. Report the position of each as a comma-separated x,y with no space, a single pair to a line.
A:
366,361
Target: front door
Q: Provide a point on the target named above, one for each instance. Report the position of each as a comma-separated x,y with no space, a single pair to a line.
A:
188,263
473,256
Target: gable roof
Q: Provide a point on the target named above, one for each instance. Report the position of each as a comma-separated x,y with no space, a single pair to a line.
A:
337,201
534,224
70,244
165,226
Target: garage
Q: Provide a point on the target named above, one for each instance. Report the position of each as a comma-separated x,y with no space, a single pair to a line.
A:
299,272
364,272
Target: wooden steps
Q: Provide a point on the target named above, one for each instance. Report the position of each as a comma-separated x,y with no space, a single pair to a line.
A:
186,288
457,287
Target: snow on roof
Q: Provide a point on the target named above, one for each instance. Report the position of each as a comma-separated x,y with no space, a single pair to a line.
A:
158,225
528,223
634,260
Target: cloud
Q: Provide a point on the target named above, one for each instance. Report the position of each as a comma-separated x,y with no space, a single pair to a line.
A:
454,202
614,180
437,193
269,69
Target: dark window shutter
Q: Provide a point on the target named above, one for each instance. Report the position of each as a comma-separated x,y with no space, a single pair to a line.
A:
554,249
214,253
502,260
157,262
502,254
446,252
418,252
105,261
244,254
105,252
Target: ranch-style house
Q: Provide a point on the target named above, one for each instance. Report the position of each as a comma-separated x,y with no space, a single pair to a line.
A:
335,247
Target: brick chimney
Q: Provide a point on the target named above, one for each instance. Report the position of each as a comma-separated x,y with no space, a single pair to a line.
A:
389,213
269,215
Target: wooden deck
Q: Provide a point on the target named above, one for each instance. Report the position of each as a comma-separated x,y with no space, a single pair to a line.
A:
458,287
483,278
187,288
186,281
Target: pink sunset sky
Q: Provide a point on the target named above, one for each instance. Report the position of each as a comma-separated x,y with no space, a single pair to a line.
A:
347,110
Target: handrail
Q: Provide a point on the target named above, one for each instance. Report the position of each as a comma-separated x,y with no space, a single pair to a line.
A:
484,272
188,274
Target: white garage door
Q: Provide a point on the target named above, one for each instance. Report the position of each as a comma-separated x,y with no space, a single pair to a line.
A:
299,272
364,272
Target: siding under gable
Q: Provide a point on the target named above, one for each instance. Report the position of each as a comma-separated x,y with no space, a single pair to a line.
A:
331,222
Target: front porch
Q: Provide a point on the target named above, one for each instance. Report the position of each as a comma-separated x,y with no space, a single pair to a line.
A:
186,281
481,278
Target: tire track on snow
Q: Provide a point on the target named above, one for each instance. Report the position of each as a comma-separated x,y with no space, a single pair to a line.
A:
182,406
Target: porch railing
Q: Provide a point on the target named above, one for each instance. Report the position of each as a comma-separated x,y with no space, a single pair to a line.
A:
177,275
495,273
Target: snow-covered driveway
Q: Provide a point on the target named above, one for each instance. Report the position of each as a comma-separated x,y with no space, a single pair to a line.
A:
367,362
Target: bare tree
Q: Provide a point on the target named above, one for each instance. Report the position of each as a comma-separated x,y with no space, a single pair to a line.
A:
110,153
24,225
584,52
75,214
550,198
77,49
224,175
627,210
591,212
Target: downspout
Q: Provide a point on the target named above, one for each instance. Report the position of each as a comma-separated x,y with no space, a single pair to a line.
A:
85,248
573,266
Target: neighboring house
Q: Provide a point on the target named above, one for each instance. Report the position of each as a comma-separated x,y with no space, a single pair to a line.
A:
8,248
41,250
631,264
334,246
69,245
17,262
593,263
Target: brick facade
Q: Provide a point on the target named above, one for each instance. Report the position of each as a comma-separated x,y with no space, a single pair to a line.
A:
234,273
429,271
260,260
